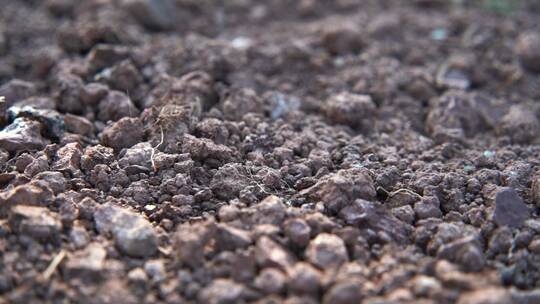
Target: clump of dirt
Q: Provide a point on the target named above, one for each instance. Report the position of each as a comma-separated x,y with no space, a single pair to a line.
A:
176,151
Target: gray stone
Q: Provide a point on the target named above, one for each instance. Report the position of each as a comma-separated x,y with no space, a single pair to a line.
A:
510,210
155,269
22,135
52,122
78,236
140,155
137,276
132,233
448,232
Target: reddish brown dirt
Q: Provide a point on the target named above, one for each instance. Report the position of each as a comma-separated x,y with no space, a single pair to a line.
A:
178,151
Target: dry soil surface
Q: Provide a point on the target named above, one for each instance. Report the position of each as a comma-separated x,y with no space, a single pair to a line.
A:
246,151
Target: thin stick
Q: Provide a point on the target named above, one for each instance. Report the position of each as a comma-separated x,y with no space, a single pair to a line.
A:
154,150
391,194
54,264
406,191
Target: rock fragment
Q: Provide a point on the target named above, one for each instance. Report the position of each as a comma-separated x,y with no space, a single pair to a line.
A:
51,121
95,155
270,210
68,89
28,194
520,124
240,102
78,125
54,180
115,106
123,76
229,180
155,270
453,116
466,252
230,238
365,214
298,232
68,158
350,109
270,281
510,210
304,279
348,292
132,233
124,133
528,51
342,40
340,189
190,241
204,149
139,154
22,135
36,222
100,57
270,254
327,251
88,264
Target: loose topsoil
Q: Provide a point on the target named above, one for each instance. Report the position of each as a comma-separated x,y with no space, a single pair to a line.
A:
183,151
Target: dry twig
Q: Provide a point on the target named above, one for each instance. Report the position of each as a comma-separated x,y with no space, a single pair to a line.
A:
54,264
391,194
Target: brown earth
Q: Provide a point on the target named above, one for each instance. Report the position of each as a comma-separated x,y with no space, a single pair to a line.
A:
182,151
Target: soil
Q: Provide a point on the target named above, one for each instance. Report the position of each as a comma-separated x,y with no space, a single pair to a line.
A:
246,151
